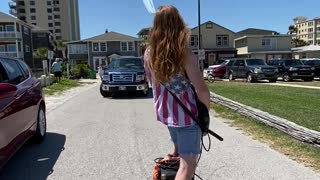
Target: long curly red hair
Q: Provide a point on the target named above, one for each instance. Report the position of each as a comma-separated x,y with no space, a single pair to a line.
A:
168,40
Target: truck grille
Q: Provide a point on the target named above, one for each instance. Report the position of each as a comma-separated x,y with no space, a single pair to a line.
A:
268,70
122,78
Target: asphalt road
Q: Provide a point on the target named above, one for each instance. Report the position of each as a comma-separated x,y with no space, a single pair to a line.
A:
95,138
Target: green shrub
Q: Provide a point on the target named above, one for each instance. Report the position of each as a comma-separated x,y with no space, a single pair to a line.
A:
80,71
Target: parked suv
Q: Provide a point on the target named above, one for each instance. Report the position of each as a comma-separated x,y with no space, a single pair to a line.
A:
251,69
124,74
290,69
22,108
315,63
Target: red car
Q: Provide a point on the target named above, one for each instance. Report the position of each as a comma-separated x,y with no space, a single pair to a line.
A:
22,108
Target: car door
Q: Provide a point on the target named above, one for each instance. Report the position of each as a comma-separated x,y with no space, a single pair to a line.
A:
14,110
242,68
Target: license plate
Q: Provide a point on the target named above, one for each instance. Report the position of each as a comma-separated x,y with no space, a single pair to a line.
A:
122,88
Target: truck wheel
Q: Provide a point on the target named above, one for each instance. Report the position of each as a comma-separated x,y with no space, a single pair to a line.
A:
286,77
250,78
211,78
146,91
230,76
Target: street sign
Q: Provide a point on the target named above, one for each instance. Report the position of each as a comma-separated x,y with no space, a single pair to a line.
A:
201,54
50,54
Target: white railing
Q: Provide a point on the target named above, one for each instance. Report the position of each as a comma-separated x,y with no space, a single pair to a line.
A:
12,54
10,35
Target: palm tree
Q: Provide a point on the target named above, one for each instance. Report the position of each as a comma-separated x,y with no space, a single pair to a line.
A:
299,42
41,53
292,30
59,48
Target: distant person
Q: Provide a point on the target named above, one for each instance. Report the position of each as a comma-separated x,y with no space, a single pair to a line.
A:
100,71
170,65
56,67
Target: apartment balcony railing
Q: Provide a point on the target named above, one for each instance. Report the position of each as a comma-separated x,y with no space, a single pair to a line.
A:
12,5
13,12
12,54
10,35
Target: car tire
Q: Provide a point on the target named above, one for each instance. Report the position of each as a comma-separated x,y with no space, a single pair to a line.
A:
250,78
211,78
41,125
145,93
230,76
286,77
273,80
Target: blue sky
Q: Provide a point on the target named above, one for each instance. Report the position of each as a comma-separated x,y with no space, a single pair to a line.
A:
129,16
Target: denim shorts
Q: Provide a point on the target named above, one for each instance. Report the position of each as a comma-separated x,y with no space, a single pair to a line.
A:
188,139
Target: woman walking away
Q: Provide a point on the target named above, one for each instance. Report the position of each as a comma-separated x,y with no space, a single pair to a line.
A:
171,66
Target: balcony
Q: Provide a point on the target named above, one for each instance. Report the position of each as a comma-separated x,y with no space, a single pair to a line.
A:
12,54
13,12
10,35
12,5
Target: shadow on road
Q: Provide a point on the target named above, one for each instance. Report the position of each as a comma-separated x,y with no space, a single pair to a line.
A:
131,95
35,161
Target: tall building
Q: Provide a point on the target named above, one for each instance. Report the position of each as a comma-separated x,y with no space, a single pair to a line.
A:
308,30
60,17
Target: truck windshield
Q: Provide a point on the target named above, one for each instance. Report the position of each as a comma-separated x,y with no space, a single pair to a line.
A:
255,62
293,62
126,63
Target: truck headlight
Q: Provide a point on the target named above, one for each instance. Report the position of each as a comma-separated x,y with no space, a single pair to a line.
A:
257,70
105,77
140,77
293,69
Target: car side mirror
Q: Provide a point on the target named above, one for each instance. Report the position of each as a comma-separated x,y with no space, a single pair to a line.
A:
7,90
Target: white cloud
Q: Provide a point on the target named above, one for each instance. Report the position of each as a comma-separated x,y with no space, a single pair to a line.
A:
149,5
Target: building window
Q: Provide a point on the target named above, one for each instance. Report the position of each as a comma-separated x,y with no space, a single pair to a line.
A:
49,10
51,31
1,28
127,46
310,36
103,47
222,40
318,41
33,17
56,9
310,42
27,48
19,46
2,48
57,16
310,24
56,2
48,3
310,30
266,42
26,31
194,41
58,31
318,28
49,17
57,24
10,28
50,24
11,48
32,3
95,47
209,26
33,10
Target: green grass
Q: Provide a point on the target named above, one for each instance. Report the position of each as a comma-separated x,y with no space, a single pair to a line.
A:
313,83
299,105
57,88
277,140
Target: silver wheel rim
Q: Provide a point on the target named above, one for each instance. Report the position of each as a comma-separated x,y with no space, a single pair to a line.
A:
211,78
286,77
42,122
230,77
249,79
145,91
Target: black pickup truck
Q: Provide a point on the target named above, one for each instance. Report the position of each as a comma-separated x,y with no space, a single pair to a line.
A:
124,75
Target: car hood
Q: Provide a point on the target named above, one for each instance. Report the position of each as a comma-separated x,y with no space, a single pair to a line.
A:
215,66
300,66
261,66
119,71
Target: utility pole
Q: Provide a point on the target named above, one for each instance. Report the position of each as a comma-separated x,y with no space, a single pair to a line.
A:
200,60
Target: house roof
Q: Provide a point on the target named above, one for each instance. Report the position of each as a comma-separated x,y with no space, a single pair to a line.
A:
144,31
8,18
254,31
259,36
214,24
112,36
306,48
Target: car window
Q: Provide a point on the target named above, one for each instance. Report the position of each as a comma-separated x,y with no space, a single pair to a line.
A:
238,62
3,75
317,62
255,62
293,62
230,63
14,72
25,69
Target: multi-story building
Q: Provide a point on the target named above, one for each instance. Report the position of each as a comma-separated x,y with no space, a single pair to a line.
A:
15,38
308,30
60,17
264,46
102,48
